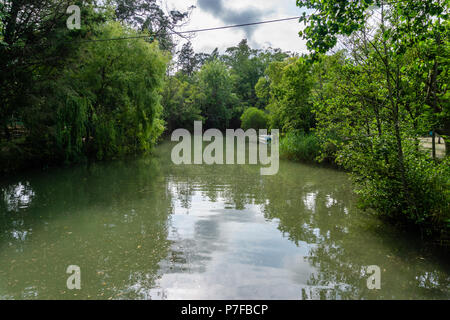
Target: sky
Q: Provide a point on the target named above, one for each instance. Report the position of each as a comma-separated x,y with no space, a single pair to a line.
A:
217,13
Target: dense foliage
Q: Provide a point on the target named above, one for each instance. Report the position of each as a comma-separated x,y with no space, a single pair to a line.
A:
68,95
216,88
298,146
116,95
254,118
374,100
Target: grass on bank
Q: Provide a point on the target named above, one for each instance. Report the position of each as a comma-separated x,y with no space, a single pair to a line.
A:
298,146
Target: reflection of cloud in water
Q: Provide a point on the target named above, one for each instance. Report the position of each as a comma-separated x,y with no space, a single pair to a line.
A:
18,196
30,293
330,201
18,230
428,280
310,201
225,253
19,235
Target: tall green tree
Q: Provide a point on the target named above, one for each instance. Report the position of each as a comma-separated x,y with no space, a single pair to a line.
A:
388,93
187,59
35,43
75,93
180,104
150,16
121,81
415,31
215,94
288,88
246,68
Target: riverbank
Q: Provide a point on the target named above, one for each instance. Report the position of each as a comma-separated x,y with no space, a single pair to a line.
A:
427,181
305,148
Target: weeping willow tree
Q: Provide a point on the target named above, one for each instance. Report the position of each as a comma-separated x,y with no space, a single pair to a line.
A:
112,104
64,97
71,126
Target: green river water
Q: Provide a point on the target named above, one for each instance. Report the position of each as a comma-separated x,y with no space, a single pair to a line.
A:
148,229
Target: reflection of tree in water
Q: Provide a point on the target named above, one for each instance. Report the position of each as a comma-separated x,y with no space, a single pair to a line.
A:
17,197
348,240
110,219
316,206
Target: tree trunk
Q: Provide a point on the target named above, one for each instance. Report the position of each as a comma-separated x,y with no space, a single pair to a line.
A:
433,144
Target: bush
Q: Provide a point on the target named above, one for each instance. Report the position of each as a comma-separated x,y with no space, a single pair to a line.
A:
253,118
299,146
427,204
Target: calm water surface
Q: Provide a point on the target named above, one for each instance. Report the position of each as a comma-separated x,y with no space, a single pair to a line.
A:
147,229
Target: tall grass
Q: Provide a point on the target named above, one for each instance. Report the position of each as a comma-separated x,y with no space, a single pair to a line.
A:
298,146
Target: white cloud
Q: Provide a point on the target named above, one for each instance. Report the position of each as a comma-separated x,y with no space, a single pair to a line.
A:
282,35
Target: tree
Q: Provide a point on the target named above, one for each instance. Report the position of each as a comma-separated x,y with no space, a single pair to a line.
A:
120,82
414,30
254,118
148,16
35,44
215,94
76,98
386,94
246,68
180,106
187,59
289,86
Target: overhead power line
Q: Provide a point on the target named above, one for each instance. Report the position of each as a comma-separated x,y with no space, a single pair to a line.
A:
195,31
215,28
240,25
209,29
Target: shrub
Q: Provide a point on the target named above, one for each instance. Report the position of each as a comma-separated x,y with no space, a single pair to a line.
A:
253,118
427,203
299,146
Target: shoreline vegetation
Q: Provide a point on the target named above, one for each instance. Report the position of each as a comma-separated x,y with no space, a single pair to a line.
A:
364,99
306,149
